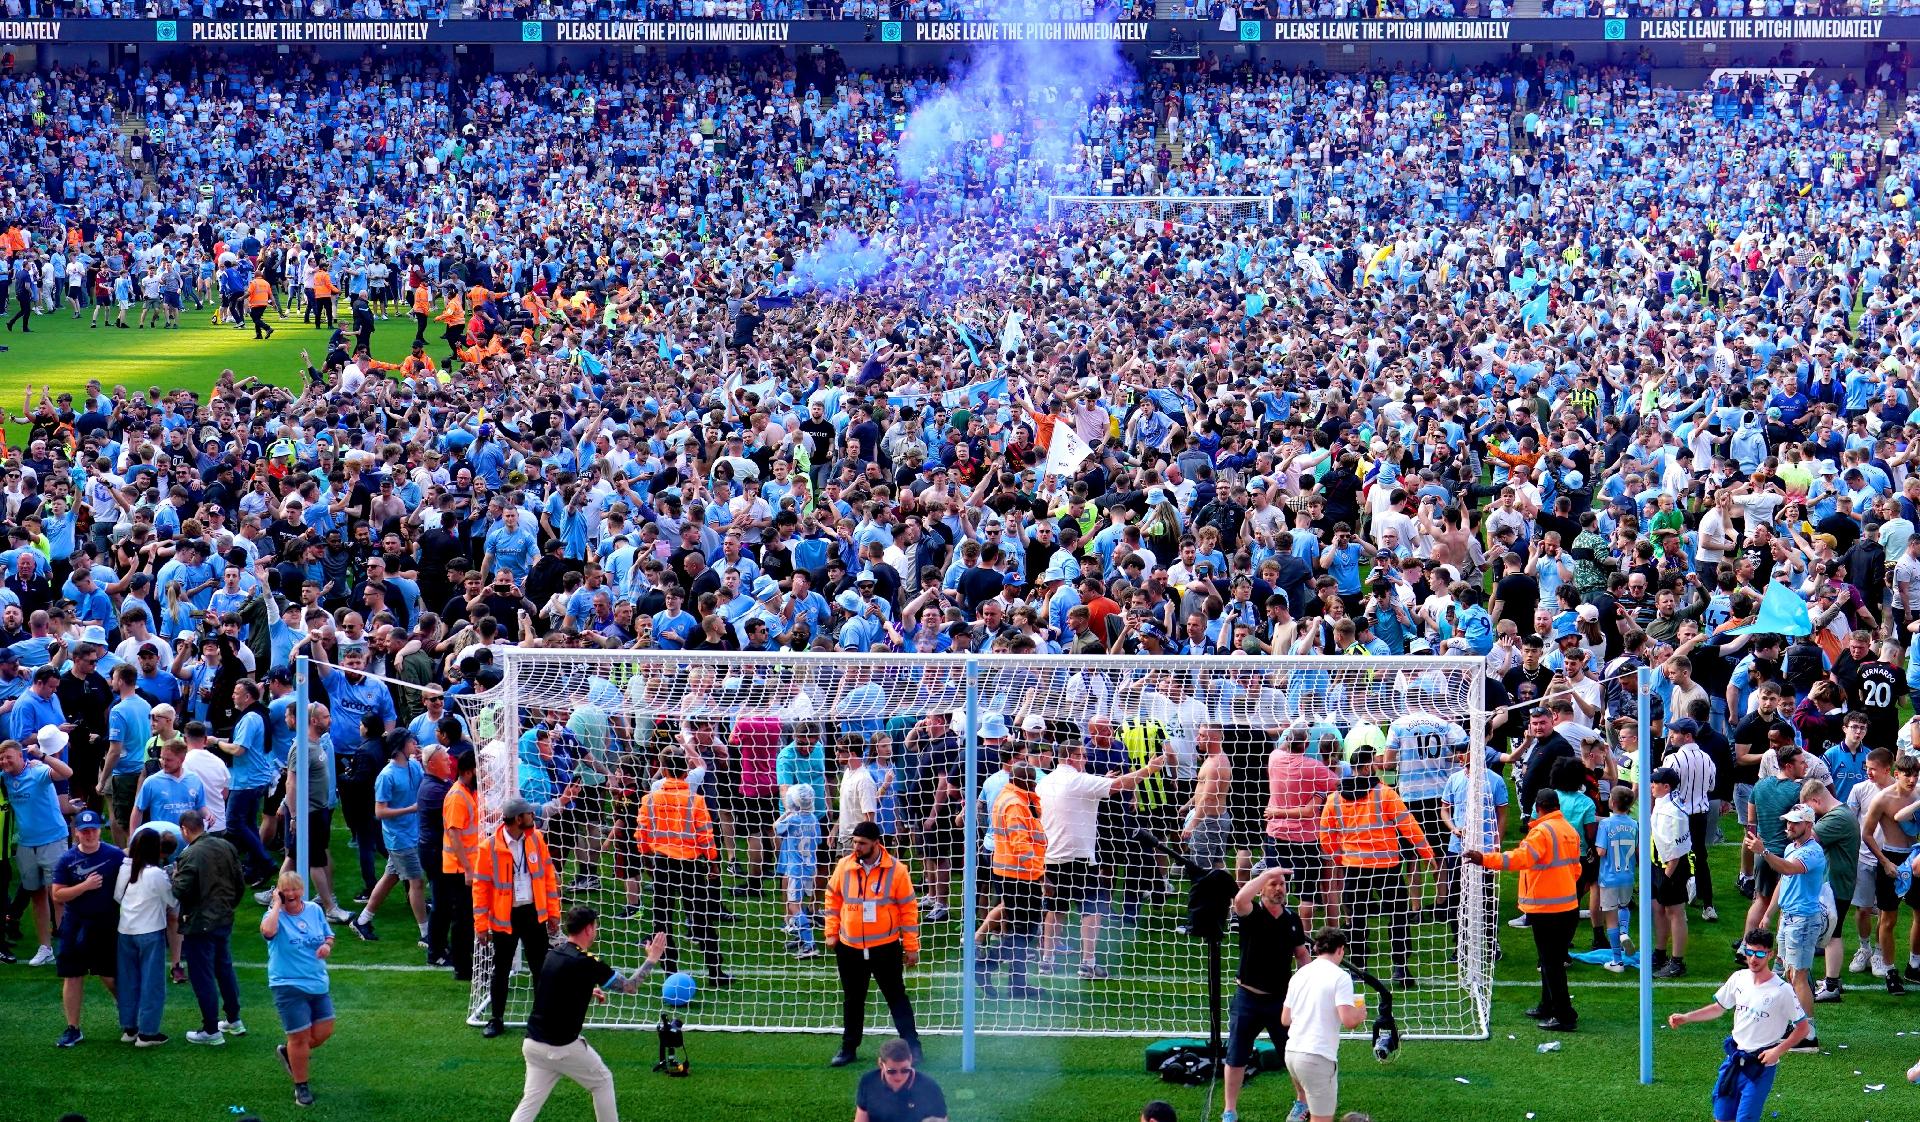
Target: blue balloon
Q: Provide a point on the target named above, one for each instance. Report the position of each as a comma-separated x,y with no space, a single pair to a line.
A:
678,989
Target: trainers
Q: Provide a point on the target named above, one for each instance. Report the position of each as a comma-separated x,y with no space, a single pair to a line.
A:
286,1061
153,1041
807,952
1861,960
179,974
1895,986
1810,1044
626,911
1826,995
302,1096
585,884
1913,974
340,915
234,1028
41,957
1298,1113
1673,969
1745,886
69,1038
936,912
1614,966
1707,913
194,1036
1093,972
264,897
363,896
128,1036
1518,921
1229,1116
364,930
1880,967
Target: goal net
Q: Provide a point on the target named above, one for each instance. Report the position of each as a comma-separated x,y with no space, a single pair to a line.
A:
1253,751
1183,210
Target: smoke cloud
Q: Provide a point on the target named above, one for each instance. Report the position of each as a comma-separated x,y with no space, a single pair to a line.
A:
1005,104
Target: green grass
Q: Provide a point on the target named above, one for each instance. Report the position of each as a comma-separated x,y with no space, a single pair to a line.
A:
403,1050
66,353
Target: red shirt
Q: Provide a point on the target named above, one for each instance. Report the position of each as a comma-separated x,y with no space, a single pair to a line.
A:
1296,780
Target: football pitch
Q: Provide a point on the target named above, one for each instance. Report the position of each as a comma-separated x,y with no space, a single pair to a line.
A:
403,1049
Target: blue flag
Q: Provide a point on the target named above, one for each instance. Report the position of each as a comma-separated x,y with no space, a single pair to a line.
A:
1534,312
1782,612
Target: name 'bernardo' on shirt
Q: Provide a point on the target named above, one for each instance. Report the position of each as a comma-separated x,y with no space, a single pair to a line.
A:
1760,28
309,31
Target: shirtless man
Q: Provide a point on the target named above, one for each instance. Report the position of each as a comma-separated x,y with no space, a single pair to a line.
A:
1209,827
1889,816
1447,537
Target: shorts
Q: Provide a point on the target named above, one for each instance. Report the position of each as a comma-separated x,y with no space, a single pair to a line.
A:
942,842
1765,880
1864,897
320,831
799,888
1671,892
121,791
756,814
1742,799
300,1010
1249,1015
405,864
1799,939
1612,898
35,863
1074,882
1212,840
88,948
1427,814
1307,860
1884,896
1319,1080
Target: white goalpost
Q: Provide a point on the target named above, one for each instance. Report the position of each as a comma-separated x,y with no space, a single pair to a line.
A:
1184,210
936,730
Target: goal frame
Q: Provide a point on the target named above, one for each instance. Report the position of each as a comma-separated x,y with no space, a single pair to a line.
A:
500,710
1161,204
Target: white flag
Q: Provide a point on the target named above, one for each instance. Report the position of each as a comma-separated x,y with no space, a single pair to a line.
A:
1065,451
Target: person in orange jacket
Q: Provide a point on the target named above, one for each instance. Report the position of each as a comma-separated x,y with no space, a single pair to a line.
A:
324,293
1019,869
459,856
674,832
516,900
422,311
873,925
259,295
1363,827
1548,861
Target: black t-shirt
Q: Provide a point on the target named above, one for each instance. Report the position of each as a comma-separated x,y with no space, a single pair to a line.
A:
1878,696
918,1101
562,994
1527,685
1519,596
1267,944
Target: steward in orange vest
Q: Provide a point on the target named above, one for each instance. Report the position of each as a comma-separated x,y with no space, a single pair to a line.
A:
1019,863
1549,864
873,926
1363,827
516,900
453,884
674,833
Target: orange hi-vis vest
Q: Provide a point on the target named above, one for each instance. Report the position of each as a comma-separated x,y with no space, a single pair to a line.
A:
871,907
422,300
1549,864
453,313
259,293
461,835
493,881
674,823
1365,833
1019,844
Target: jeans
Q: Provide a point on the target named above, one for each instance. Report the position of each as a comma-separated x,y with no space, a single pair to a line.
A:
141,984
209,960
243,830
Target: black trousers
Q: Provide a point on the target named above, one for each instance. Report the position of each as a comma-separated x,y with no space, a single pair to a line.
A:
260,328
687,887
450,922
420,321
1702,826
323,310
529,933
1369,897
883,966
1552,938
356,807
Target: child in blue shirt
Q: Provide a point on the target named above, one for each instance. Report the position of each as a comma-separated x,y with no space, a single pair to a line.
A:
795,862
1617,846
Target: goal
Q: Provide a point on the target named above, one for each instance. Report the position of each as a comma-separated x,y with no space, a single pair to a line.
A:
1184,210
1107,952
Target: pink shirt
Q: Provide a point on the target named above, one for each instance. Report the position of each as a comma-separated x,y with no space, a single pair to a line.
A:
756,741
1295,780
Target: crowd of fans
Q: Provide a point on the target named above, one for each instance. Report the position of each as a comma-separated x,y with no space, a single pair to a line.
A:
1544,363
